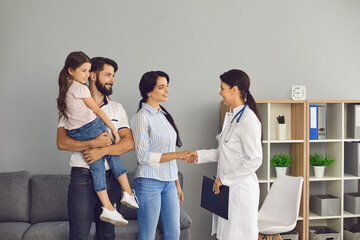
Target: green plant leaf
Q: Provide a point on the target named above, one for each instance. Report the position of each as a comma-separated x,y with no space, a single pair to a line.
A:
317,159
280,160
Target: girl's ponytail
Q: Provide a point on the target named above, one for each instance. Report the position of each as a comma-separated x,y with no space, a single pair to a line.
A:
73,61
64,84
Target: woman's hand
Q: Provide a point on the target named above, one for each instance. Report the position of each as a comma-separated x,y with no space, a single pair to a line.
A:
179,192
182,155
93,154
191,157
217,185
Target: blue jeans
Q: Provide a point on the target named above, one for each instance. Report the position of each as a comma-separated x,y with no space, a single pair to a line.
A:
84,206
157,199
90,131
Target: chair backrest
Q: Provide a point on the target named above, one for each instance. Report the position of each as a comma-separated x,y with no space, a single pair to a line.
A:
283,200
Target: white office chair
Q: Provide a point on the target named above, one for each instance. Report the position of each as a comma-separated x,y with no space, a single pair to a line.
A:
280,209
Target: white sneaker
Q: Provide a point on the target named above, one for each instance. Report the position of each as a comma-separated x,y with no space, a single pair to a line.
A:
130,201
113,217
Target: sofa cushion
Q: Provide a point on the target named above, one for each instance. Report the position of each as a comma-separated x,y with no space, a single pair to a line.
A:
15,196
49,198
127,232
13,230
52,231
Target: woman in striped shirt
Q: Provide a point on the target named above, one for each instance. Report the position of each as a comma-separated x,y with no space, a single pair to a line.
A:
156,176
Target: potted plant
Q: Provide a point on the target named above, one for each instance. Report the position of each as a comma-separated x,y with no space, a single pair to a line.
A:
280,162
319,163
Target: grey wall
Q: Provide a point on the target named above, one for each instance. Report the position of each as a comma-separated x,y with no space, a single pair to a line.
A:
279,43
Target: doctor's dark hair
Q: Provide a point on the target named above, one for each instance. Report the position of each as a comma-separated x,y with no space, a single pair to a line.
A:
236,77
73,61
147,84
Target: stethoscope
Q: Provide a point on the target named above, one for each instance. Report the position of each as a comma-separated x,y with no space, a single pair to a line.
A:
232,126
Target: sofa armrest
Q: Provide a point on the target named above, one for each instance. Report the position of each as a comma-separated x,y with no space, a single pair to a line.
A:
185,221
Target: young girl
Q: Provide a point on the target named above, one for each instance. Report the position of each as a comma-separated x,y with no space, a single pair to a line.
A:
85,121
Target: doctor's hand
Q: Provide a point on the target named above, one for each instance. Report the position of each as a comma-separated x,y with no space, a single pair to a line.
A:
191,157
217,185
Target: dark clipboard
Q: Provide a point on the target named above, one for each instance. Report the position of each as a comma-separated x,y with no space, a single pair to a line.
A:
215,203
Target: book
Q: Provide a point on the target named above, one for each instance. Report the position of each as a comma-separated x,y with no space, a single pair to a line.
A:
313,131
215,203
321,123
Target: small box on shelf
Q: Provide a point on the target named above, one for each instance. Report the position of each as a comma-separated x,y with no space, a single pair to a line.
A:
292,235
323,233
352,202
351,231
325,205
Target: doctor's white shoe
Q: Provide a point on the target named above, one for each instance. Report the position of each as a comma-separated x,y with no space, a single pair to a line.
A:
113,217
130,201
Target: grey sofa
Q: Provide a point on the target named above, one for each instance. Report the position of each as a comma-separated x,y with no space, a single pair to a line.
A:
35,207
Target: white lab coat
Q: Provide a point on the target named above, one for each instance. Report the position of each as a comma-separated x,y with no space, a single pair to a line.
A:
238,159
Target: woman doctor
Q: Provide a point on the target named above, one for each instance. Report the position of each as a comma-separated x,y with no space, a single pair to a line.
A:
239,155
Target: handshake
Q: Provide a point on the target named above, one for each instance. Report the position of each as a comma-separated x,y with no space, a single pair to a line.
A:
188,156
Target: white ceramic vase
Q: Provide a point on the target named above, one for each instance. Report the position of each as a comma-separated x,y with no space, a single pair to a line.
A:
319,171
280,171
282,131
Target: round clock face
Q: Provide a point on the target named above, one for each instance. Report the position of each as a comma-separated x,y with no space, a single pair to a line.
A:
298,93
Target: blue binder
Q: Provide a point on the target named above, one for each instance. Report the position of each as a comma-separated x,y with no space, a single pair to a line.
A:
313,122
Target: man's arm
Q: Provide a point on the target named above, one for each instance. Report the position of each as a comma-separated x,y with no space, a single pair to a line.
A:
64,142
126,144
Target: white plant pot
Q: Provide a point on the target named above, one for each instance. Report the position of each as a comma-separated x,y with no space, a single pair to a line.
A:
319,171
282,131
280,171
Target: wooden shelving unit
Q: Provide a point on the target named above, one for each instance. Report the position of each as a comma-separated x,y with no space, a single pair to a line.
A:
298,145
335,181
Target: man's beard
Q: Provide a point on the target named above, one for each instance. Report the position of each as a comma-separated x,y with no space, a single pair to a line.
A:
102,89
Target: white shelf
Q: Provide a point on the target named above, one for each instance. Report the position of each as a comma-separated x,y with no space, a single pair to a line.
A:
314,216
350,215
351,140
285,141
325,140
325,178
350,177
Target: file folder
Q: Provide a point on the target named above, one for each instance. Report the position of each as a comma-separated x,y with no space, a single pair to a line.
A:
321,122
215,203
313,131
353,121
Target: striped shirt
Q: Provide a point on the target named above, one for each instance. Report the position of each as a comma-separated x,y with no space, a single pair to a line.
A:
153,135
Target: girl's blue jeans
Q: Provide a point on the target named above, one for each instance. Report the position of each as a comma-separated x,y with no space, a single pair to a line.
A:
90,131
157,199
